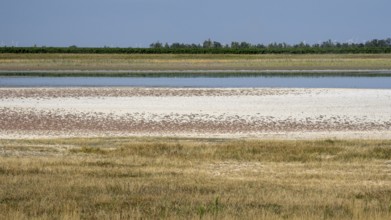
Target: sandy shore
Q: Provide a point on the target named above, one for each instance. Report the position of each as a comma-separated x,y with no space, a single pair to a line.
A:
255,113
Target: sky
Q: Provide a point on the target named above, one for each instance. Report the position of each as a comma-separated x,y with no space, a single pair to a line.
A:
137,23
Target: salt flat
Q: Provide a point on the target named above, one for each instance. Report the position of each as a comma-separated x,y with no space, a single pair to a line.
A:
257,113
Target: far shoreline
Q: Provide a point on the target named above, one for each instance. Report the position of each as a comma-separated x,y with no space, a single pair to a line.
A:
121,64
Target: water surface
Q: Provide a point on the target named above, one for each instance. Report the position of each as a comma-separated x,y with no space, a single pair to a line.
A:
202,82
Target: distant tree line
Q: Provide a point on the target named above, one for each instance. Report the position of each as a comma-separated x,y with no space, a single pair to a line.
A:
209,44
214,47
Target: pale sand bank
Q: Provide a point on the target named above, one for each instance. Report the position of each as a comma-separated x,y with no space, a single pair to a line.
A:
248,113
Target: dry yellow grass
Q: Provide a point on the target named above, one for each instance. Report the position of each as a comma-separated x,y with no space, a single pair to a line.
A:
123,178
191,62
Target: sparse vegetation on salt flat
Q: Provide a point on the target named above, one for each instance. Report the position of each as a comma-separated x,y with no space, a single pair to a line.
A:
124,178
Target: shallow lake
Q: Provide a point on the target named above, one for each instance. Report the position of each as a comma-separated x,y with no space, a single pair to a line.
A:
202,82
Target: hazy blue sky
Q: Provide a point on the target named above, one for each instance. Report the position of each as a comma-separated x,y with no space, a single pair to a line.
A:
140,22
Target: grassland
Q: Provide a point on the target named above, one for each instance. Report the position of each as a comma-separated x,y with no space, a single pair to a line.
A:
152,178
182,62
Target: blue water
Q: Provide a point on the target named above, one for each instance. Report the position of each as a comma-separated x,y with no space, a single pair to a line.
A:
201,82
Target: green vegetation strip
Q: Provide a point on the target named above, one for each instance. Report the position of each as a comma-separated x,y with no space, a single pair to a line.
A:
139,64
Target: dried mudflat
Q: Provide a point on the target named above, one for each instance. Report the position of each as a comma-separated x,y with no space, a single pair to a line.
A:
251,113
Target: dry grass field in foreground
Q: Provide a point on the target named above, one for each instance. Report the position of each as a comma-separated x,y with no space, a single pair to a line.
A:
23,62
123,178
